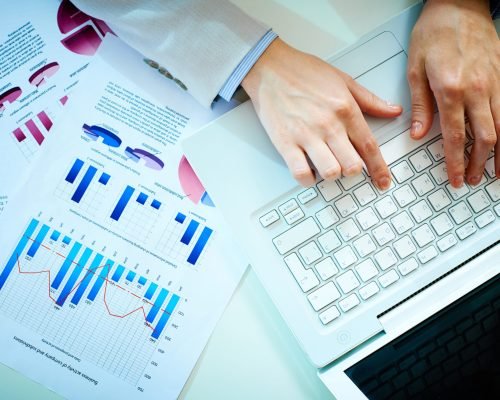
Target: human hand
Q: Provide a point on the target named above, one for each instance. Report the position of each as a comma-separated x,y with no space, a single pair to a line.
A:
455,57
311,108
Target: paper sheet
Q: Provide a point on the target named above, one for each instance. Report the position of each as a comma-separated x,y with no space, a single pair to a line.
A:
114,264
45,47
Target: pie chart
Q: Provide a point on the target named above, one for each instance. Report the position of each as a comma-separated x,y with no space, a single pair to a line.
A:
41,75
191,185
10,96
83,37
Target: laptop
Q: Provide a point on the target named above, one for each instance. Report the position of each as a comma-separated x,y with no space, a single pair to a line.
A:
392,294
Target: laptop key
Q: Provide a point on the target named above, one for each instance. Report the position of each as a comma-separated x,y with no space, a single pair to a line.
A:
485,219
329,189
402,172
346,205
329,315
439,200
323,296
349,302
465,231
437,150
345,257
296,235
310,253
326,268
447,242
423,184
383,234
386,207
269,218
423,235
294,216
304,277
404,246
367,218
327,217
368,291
348,281
404,195
478,201
348,230
428,254
385,258
388,278
349,182
460,212
329,241
408,266
365,194
442,224
493,190
366,270
420,160
307,195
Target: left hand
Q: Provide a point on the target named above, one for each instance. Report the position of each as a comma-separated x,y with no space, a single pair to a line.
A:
455,57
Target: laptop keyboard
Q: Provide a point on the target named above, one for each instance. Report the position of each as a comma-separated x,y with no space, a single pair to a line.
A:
364,240
453,355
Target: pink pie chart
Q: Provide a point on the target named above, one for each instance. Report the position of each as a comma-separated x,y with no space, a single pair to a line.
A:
10,96
41,75
191,185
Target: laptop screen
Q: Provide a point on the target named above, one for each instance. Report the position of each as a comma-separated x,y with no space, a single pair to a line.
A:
453,355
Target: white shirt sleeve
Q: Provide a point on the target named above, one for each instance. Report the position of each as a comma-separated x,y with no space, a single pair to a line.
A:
199,42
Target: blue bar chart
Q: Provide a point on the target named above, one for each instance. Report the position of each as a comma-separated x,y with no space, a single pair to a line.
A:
91,172
125,199
84,273
189,233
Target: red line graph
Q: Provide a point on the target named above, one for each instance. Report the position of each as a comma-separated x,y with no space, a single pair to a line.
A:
77,285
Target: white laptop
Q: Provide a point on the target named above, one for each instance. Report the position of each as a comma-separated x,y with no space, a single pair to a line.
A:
366,279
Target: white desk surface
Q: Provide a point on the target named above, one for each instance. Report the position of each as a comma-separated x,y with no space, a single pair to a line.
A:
252,354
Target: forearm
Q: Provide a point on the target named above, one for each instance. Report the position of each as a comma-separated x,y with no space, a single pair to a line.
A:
199,42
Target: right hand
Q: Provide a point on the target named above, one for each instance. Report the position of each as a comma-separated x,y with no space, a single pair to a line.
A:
311,108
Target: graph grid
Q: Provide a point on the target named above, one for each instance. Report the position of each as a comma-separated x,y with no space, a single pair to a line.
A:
84,302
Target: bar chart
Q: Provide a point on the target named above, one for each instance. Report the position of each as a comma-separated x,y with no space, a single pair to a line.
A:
31,134
186,239
135,213
95,308
84,185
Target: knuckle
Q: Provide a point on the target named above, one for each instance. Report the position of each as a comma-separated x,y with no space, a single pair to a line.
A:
370,146
414,76
479,84
353,169
456,138
488,139
301,174
452,86
344,109
331,173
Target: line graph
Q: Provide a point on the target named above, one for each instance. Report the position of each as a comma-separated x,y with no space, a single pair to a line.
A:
83,302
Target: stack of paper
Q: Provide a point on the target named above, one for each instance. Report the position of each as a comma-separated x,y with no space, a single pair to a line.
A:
115,265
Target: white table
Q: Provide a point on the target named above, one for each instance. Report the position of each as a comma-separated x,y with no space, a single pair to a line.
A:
252,354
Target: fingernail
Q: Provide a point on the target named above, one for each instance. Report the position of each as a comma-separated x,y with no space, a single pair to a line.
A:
474,180
457,181
392,105
416,127
384,183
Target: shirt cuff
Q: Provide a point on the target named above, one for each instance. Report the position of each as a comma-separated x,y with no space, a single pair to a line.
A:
245,65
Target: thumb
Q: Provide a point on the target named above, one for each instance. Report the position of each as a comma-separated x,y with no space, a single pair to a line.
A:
422,103
371,104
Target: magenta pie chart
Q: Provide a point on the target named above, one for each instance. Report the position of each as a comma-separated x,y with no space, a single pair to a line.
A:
191,185
83,38
40,76
10,96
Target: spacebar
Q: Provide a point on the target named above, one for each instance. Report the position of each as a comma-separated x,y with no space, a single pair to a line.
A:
403,144
296,235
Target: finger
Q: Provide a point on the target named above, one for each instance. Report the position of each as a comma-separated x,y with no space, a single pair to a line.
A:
324,160
422,101
495,111
341,147
451,116
367,147
483,130
297,163
371,104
